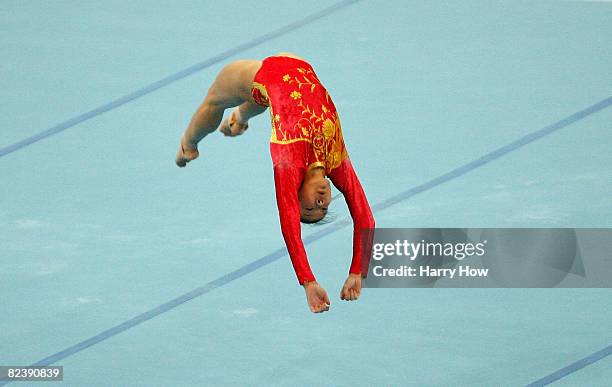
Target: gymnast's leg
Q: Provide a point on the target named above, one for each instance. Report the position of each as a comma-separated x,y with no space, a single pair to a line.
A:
231,88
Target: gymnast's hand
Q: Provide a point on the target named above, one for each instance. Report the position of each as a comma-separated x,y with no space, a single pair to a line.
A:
233,126
352,288
316,297
186,153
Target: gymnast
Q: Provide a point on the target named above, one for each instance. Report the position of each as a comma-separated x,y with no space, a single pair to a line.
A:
307,149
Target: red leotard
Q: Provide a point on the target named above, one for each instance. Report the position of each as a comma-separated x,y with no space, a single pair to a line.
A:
306,133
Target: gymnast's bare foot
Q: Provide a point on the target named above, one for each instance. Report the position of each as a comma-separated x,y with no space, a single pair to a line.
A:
233,126
186,153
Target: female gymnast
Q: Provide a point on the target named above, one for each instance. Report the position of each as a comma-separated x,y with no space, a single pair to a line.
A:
306,146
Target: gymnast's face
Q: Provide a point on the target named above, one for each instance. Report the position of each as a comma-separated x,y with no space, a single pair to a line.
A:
315,196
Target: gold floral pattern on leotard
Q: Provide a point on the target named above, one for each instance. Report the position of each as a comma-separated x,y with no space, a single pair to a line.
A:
260,94
302,110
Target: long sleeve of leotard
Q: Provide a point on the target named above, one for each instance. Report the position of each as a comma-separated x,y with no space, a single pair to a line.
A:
345,179
287,180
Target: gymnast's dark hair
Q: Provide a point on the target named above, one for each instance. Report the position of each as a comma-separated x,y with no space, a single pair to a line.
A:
328,218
